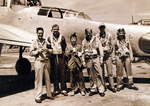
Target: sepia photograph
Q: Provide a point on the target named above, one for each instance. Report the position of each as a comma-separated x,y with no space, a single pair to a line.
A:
75,52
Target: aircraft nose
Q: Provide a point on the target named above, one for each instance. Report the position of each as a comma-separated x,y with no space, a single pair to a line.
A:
144,43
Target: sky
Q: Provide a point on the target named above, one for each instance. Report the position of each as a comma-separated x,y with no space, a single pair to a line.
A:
113,11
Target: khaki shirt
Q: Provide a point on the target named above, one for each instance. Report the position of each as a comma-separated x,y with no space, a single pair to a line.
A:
107,44
121,47
37,45
94,47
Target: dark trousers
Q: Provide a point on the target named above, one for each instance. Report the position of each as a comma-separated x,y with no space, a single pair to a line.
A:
76,77
58,71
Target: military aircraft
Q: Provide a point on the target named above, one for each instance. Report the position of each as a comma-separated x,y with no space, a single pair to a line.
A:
19,28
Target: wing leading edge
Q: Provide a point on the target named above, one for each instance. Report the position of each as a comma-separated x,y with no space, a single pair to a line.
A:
15,36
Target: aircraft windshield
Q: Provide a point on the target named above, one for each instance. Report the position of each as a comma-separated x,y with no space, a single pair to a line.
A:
43,12
53,12
80,15
76,14
70,14
87,17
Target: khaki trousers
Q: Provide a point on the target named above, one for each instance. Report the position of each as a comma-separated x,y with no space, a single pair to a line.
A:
120,63
42,69
108,62
95,75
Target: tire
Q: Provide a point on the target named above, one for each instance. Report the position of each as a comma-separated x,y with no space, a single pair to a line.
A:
23,66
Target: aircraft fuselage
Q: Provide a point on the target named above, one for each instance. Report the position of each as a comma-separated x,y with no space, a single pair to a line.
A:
28,19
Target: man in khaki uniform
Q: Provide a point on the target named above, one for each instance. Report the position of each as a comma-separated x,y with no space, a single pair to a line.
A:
124,57
92,58
42,64
107,44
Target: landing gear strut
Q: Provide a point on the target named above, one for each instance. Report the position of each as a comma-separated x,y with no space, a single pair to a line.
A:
23,65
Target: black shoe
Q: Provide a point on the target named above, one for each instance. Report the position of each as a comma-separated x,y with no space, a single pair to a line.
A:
102,94
118,89
38,101
91,93
51,98
133,87
113,90
55,93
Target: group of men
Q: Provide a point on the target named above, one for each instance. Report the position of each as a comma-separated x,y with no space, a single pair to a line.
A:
54,56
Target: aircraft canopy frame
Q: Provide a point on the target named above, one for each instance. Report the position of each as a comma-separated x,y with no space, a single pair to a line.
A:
62,13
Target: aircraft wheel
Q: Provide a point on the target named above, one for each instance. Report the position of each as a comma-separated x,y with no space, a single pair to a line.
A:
23,66
147,60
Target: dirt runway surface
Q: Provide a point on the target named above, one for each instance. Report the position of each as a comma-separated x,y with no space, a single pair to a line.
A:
125,97
19,90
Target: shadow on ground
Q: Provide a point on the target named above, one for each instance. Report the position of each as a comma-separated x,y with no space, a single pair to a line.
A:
12,84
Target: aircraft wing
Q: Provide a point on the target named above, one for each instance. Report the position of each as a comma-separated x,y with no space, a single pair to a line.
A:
15,36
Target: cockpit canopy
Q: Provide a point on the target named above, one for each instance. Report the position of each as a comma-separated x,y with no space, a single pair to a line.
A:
61,13
76,14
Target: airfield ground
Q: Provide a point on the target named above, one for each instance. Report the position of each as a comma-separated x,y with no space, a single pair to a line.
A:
19,90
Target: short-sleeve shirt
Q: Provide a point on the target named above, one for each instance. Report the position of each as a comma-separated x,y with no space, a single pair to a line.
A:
36,44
